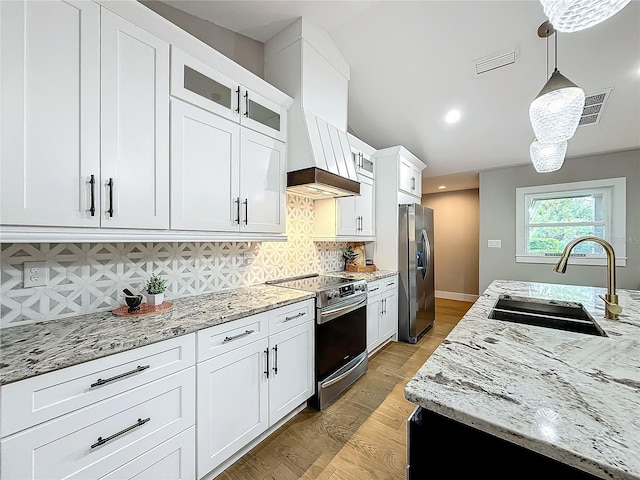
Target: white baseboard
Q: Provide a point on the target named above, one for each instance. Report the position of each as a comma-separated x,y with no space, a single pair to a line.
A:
463,297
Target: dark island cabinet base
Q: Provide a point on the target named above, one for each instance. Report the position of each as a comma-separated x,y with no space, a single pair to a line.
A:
435,442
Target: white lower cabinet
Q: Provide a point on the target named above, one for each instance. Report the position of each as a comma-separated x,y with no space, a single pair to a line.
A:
232,403
94,441
243,391
382,312
291,377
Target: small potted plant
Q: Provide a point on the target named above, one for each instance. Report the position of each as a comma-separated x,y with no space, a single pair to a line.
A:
350,256
154,290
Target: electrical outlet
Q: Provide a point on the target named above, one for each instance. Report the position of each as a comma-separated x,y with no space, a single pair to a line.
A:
36,274
494,243
247,259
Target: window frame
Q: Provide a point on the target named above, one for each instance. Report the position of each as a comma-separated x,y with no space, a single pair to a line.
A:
614,191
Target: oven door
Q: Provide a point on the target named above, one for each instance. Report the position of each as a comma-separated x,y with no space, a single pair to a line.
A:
341,335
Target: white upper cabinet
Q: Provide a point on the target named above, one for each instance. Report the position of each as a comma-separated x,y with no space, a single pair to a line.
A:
205,161
410,178
204,86
224,178
262,183
50,110
135,126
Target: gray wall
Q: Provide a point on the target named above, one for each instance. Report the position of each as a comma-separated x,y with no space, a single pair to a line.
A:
497,220
243,50
456,218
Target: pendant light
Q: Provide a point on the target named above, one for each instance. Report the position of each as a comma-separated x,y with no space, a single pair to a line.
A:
556,111
547,157
576,15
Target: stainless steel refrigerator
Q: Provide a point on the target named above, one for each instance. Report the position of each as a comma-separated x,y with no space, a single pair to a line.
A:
416,289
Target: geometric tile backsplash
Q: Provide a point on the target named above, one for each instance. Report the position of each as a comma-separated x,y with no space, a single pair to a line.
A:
90,277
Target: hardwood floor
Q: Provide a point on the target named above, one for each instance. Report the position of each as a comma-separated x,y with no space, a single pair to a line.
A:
362,435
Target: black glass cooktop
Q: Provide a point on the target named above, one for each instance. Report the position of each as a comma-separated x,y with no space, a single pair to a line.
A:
313,283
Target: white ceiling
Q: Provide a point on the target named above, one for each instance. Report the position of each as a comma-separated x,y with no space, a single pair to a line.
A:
412,61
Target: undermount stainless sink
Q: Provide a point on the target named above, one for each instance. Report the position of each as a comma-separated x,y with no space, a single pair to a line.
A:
558,314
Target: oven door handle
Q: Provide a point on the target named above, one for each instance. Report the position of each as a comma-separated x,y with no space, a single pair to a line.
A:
331,314
340,377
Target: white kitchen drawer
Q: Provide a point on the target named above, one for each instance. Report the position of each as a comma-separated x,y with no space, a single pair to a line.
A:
389,283
291,315
374,289
228,336
38,399
174,459
129,424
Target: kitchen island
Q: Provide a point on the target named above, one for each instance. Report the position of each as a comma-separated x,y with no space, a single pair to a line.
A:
570,397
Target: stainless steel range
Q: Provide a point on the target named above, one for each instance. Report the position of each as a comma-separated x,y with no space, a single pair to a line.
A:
340,333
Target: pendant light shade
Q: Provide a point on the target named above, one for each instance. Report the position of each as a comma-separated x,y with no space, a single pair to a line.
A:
575,15
556,111
547,157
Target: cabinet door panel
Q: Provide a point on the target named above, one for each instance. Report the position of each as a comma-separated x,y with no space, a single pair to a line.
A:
291,375
373,323
50,70
262,183
135,125
199,84
263,115
346,215
205,153
365,206
233,405
389,322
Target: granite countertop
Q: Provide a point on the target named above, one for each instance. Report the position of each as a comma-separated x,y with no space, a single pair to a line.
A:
368,276
43,347
570,396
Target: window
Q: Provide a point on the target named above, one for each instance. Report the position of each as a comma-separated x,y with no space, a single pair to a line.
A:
550,216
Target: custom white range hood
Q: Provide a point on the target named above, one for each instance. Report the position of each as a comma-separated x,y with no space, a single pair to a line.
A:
303,62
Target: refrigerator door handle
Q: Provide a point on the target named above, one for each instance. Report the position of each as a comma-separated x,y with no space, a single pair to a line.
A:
426,253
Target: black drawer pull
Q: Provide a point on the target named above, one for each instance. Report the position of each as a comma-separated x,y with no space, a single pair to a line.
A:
236,337
374,289
275,367
288,319
102,441
110,185
107,380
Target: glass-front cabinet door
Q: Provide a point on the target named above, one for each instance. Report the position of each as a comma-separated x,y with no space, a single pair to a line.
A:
203,86
263,115
199,84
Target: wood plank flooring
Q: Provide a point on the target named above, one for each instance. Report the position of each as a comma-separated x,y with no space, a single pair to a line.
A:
362,435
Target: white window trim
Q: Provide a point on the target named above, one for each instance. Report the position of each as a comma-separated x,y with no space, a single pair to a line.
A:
617,226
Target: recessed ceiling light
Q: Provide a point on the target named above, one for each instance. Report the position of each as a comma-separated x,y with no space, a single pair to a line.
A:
453,116
442,187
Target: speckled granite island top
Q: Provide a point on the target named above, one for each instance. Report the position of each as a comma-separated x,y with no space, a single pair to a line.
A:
570,396
43,347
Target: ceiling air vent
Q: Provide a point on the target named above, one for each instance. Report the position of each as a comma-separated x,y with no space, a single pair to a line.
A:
593,107
487,64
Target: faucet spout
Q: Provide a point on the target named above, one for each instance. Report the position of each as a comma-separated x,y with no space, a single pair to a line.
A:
611,308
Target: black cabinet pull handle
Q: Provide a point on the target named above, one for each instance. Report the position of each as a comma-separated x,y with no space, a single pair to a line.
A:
110,185
100,381
238,98
92,208
102,441
275,367
237,202
236,337
246,104
413,183
246,211
266,372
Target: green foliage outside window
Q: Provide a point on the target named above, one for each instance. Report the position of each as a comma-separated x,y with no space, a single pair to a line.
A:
554,222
